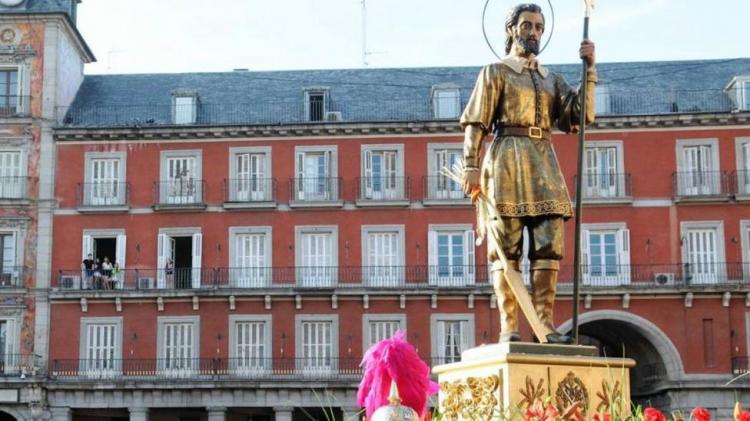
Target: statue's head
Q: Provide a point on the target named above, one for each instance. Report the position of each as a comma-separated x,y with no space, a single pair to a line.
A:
524,26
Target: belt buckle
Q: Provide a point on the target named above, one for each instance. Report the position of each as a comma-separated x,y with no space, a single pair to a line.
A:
535,132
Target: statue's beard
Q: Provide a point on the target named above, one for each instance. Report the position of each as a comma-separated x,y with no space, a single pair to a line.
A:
530,46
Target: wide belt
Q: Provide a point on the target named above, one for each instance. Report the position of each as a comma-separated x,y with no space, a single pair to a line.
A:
532,132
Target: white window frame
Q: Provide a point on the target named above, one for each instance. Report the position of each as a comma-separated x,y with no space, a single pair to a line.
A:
368,319
436,180
622,244
742,153
120,257
737,89
331,192
23,87
265,365
264,190
468,273
602,101
13,363
88,193
745,242
367,189
316,91
99,369
685,186
164,196
19,236
192,366
617,189
186,116
253,277
719,274
162,253
383,276
302,363
468,336
438,99
316,276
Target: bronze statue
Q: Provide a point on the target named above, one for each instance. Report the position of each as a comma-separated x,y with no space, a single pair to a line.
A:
519,101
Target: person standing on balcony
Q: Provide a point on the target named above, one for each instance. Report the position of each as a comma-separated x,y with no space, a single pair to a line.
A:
87,265
520,101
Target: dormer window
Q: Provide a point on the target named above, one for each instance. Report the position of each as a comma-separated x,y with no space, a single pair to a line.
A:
446,103
739,92
316,104
184,107
602,100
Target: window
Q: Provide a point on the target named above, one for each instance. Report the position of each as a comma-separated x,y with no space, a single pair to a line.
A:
104,183
9,269
382,173
9,92
446,103
178,345
383,255
739,91
250,257
605,251
316,174
179,259
317,255
745,241
181,182
185,108
250,175
604,177
439,186
703,252
698,168
9,359
743,166
250,343
602,100
101,349
451,335
315,104
451,255
104,244
376,327
12,175
317,342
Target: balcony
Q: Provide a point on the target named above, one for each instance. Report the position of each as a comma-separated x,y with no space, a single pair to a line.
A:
19,365
110,196
179,194
12,106
14,188
202,369
315,192
741,368
701,186
12,276
607,188
440,190
383,191
742,184
242,193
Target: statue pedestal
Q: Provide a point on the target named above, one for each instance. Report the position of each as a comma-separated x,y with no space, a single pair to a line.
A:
507,378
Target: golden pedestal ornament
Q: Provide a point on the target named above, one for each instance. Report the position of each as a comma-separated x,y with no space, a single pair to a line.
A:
501,381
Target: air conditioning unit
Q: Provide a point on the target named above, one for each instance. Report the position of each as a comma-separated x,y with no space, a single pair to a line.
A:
333,116
70,282
145,283
662,279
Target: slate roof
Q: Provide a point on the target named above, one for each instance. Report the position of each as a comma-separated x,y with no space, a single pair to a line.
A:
44,6
277,97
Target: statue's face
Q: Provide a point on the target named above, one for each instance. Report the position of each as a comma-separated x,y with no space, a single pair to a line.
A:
528,32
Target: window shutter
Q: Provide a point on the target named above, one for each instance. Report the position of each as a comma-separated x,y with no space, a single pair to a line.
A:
163,253
88,246
368,173
121,249
624,269
10,337
432,256
469,255
197,256
466,340
440,340
585,253
300,176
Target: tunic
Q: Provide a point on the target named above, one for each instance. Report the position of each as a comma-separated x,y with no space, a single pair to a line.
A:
520,173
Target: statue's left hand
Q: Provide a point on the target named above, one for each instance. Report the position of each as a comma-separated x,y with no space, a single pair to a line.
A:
587,52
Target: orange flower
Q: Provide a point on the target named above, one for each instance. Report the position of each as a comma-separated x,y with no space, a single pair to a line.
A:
602,417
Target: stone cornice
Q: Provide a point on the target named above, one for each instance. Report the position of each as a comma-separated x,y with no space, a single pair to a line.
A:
161,133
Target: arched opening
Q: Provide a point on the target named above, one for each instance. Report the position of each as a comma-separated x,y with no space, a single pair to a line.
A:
620,334
4,416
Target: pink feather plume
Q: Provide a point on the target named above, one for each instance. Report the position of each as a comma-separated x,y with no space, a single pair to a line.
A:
396,359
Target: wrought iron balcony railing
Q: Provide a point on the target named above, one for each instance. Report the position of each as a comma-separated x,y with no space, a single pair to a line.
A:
697,184
442,188
14,187
250,190
19,365
742,182
315,189
741,368
12,276
179,192
111,369
606,186
383,189
14,105
103,194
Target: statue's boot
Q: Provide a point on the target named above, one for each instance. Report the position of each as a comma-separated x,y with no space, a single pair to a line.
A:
508,306
543,286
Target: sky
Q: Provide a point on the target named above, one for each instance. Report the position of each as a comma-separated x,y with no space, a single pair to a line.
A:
169,36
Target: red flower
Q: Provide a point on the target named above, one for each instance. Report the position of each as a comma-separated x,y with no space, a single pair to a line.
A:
602,417
744,416
700,414
538,413
653,414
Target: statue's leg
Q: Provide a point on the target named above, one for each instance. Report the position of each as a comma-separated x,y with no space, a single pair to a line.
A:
546,249
507,233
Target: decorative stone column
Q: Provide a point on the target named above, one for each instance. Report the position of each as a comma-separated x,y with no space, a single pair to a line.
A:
283,413
61,413
138,414
217,413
